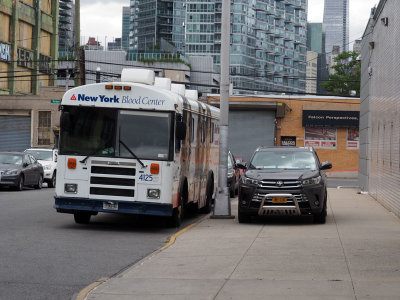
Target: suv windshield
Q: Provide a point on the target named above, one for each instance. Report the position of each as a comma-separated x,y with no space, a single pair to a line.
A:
41,154
283,160
98,132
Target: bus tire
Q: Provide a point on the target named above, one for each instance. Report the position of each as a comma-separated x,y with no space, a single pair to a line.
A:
210,187
82,217
178,212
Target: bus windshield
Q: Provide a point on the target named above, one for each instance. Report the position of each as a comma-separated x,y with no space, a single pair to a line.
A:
98,132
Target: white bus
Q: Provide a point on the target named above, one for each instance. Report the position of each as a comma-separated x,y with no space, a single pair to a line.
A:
134,148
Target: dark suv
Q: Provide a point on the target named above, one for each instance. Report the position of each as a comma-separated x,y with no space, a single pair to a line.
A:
283,181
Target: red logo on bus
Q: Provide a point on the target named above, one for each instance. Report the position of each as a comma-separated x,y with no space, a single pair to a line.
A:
73,97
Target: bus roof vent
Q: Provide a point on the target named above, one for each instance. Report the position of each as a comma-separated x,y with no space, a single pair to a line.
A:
178,88
164,83
138,75
192,94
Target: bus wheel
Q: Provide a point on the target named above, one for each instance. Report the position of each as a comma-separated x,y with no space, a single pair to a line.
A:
177,215
207,208
82,217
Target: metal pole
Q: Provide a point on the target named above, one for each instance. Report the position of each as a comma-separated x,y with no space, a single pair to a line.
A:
222,208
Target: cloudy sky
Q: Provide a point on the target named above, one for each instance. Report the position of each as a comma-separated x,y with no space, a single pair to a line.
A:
103,18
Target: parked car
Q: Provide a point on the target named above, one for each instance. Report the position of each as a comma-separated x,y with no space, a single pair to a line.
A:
283,181
19,169
48,159
233,175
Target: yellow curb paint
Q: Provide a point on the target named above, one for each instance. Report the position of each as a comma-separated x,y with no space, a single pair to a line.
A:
83,293
174,236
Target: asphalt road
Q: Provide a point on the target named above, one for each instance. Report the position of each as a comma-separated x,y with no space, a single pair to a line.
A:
45,255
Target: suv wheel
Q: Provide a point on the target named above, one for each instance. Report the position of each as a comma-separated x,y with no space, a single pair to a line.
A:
52,182
321,217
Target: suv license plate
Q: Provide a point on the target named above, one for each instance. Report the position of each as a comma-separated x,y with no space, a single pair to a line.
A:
279,200
110,205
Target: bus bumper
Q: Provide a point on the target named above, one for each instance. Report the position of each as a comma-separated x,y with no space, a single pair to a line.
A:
72,205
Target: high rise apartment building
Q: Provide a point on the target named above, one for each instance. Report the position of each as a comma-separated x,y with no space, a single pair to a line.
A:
336,22
151,21
268,41
268,38
66,29
126,16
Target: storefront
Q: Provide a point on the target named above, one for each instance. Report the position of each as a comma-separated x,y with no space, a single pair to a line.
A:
329,124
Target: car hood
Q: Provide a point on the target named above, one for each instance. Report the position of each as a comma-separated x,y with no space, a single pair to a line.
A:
281,174
4,167
46,163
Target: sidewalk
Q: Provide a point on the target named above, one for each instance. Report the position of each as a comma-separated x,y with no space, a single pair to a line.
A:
355,255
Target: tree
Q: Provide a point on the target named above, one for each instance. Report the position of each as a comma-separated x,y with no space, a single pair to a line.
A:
347,75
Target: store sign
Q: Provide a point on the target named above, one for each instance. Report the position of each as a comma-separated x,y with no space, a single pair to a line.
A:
5,52
288,141
331,118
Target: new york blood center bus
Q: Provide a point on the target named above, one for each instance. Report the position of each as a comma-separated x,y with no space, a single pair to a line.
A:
135,148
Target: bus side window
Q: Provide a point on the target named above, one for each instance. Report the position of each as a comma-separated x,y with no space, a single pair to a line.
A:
191,129
212,133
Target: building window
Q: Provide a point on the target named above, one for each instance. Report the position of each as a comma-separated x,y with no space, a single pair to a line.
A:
353,138
44,128
325,137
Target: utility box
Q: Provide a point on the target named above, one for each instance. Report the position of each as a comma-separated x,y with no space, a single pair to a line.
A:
280,110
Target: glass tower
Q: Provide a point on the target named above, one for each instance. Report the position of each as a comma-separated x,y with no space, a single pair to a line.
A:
268,37
126,14
336,22
151,21
268,41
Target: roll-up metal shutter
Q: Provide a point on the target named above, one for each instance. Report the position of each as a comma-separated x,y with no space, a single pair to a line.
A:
249,129
15,133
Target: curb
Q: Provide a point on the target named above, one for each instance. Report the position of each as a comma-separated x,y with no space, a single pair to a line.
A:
86,290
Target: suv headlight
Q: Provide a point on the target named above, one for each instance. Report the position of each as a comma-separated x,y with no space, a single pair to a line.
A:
230,174
314,180
247,180
47,167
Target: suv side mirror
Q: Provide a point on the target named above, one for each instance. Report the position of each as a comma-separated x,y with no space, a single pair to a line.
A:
241,165
55,157
180,130
326,165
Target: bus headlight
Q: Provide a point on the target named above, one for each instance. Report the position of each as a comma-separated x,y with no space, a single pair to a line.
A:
153,193
71,188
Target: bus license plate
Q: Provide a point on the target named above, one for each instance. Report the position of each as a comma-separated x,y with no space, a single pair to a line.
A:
279,200
110,205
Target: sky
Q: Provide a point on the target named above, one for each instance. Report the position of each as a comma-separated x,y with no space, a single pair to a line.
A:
102,19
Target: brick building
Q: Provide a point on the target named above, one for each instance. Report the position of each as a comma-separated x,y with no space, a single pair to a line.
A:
28,63
329,124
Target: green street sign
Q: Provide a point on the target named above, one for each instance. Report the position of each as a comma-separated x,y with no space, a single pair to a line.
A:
55,101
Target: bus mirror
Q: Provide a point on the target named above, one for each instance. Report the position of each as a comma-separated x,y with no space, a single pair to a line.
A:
65,121
180,130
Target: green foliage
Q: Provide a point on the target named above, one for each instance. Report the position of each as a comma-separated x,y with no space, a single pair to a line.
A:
347,75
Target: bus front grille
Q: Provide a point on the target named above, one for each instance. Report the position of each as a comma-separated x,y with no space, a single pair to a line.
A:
110,178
